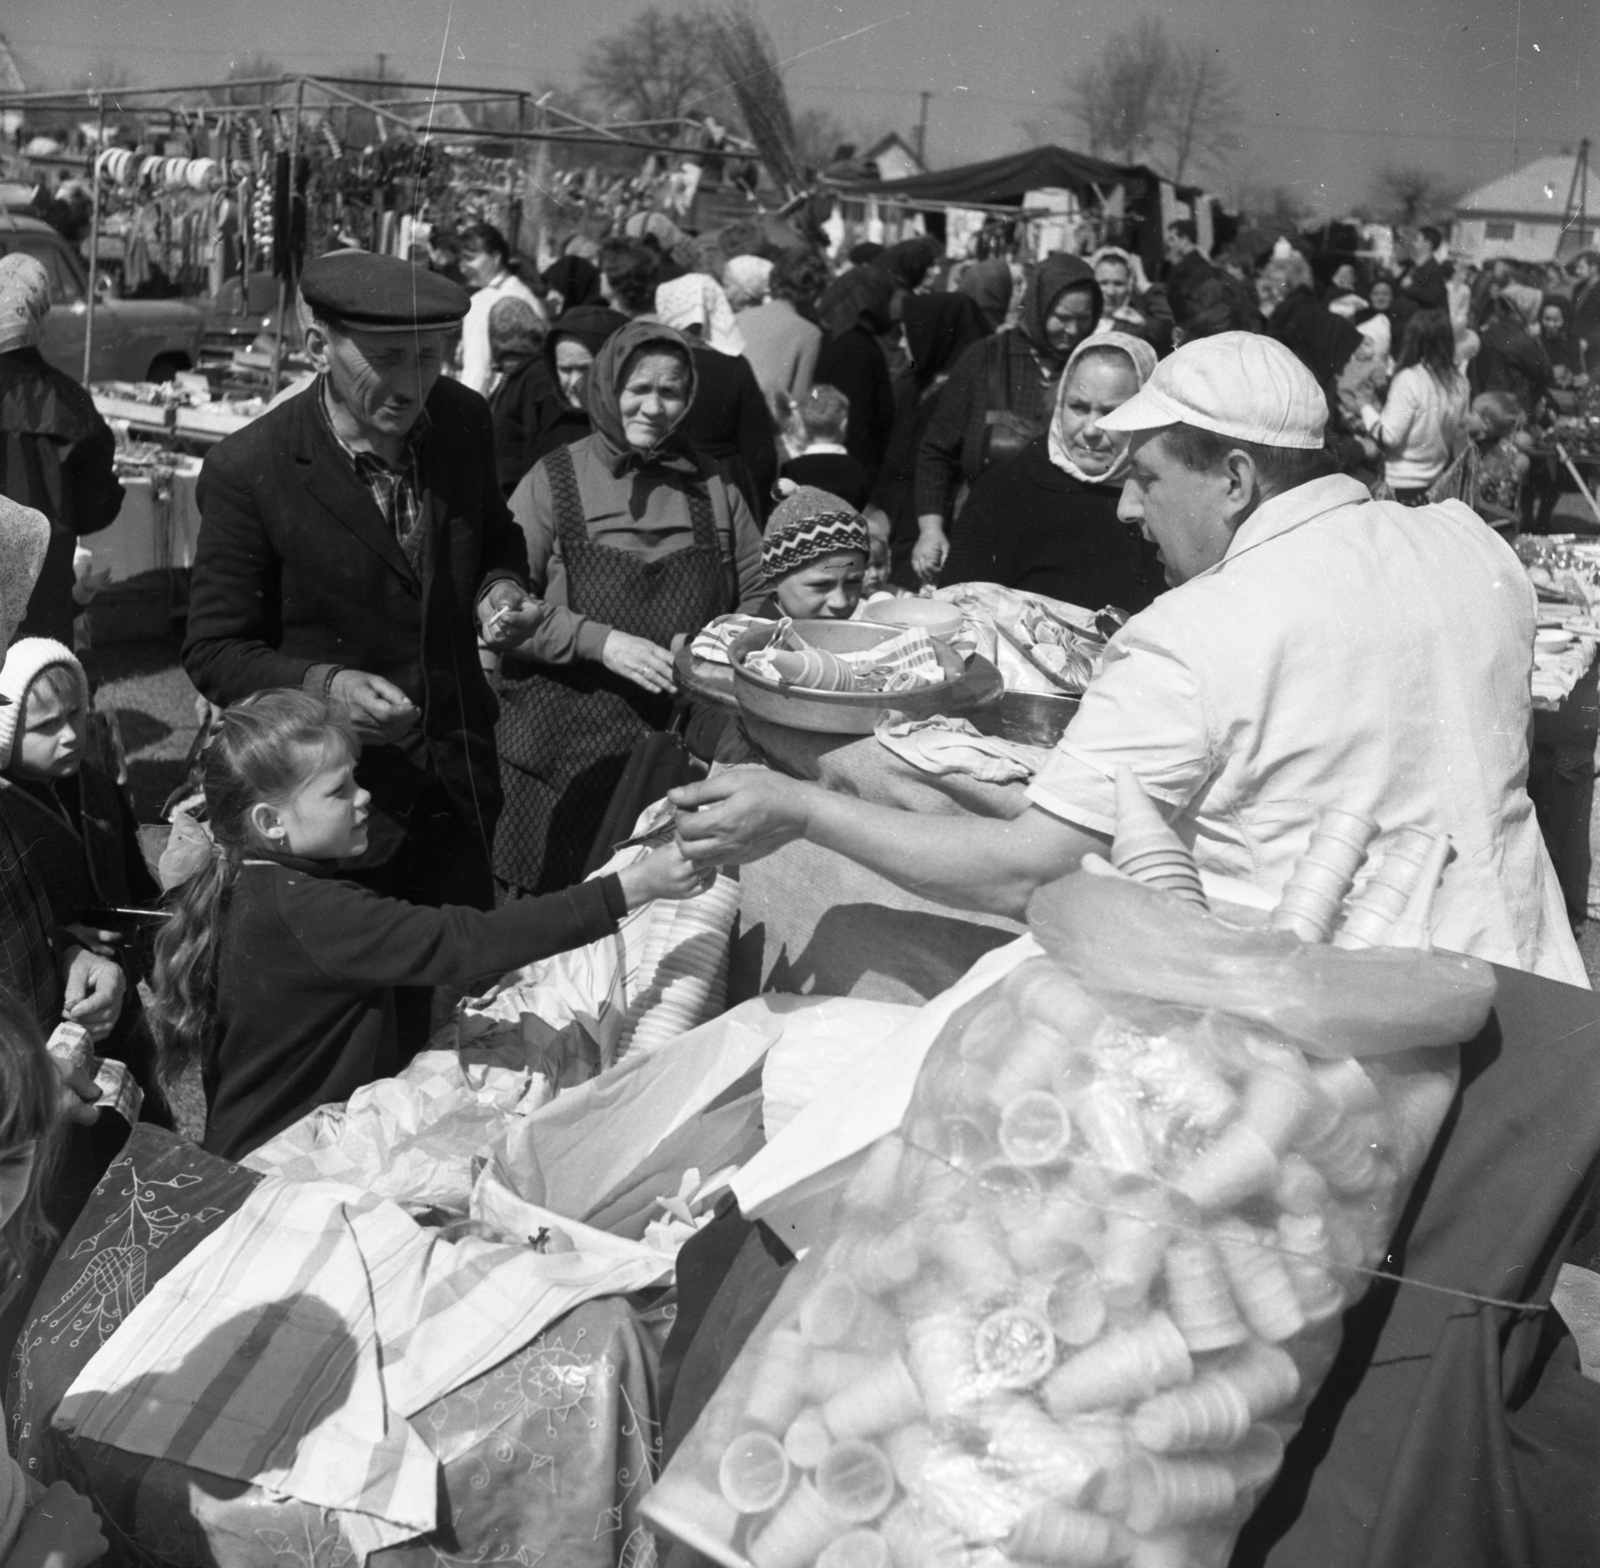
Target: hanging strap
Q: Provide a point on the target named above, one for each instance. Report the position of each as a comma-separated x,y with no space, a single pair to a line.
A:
571,529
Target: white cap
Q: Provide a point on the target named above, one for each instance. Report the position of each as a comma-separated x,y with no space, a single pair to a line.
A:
1242,385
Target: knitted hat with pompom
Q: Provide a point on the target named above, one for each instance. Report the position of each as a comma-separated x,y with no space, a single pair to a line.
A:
809,525
26,661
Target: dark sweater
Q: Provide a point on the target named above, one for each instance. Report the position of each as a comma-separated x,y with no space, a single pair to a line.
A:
526,408
835,472
853,364
729,420
305,986
1029,525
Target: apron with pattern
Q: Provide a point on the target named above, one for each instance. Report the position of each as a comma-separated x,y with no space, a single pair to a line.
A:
566,731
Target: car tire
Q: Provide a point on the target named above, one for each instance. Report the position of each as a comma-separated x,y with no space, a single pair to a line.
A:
165,366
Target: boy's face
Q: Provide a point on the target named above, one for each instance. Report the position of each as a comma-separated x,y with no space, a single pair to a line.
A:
826,590
51,742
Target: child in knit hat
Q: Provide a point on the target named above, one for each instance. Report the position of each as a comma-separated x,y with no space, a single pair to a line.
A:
815,554
81,839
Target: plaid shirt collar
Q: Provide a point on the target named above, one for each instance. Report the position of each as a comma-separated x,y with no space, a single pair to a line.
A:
397,491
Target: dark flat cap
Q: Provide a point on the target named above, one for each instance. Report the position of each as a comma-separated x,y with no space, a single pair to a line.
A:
381,293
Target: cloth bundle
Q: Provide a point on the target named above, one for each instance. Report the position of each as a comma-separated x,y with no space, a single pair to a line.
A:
713,641
901,663
944,744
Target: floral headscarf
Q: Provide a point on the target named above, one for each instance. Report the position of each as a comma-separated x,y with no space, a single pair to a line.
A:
1143,359
24,301
696,300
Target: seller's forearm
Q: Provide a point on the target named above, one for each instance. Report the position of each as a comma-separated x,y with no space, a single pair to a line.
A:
986,864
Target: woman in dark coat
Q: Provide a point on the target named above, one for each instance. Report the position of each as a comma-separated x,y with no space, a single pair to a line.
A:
729,419
855,311
569,355
634,542
1000,395
573,282
57,454
1046,521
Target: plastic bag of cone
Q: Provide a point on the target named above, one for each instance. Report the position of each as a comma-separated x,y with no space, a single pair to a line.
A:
1073,1310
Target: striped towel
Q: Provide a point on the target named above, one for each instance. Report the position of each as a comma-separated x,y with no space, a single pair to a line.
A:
712,642
291,1346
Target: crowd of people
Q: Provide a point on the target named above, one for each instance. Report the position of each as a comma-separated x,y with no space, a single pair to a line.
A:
441,594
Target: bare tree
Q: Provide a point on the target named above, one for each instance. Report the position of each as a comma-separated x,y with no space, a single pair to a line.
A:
1149,100
1118,98
1200,116
1273,207
818,136
1411,195
661,66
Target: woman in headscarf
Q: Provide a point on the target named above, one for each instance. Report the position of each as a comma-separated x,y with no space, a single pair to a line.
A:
745,280
1000,395
634,543
57,455
1046,522
988,285
858,309
569,353
523,403
1555,334
1127,303
728,419
571,281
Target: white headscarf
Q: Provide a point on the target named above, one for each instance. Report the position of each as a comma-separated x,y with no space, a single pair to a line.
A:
696,300
746,280
24,301
1143,359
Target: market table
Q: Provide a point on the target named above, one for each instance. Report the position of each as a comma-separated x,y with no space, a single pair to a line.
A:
158,526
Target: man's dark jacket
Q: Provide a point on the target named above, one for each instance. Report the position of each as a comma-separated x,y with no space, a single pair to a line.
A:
296,570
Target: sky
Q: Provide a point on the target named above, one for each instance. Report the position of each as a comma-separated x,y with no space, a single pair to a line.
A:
1331,91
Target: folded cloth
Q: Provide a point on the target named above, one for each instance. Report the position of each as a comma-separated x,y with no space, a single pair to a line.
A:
900,663
713,641
291,1346
949,745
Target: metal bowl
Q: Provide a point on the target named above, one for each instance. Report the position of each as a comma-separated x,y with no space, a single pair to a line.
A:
848,712
1031,718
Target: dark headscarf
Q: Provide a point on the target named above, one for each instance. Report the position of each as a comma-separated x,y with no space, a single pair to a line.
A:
938,327
908,262
605,392
867,250
860,298
576,280
591,325
988,285
1053,277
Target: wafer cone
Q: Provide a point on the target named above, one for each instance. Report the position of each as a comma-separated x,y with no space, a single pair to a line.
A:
1347,1154
1210,1412
1237,1165
1040,1454
1413,928
798,1531
1265,1375
1256,1458
1323,875
1157,1494
879,1402
879,1264
856,1549
1135,1244
1145,844
807,1439
854,1479
1129,1365
917,1540
1076,1306
1037,1053
1051,1533
1199,1299
754,1472
1261,1289
778,1389
829,1370
907,1448
1276,1105
1300,1187
1383,900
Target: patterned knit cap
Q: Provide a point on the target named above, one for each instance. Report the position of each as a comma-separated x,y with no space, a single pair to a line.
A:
809,525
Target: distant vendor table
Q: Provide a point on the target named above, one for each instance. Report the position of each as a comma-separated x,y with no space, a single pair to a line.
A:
158,526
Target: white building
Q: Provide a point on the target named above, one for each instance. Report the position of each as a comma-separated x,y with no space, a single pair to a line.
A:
1520,214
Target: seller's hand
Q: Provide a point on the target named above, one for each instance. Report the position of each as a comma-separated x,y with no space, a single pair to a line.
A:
507,616
71,1050
380,712
928,553
664,873
94,992
639,660
740,815
60,1530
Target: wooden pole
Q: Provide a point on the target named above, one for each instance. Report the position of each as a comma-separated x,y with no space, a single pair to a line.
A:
1572,468
286,277
94,242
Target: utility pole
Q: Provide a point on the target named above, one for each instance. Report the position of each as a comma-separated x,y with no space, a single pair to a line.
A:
1575,219
922,130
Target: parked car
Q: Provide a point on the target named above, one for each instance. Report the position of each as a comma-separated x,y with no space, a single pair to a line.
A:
134,339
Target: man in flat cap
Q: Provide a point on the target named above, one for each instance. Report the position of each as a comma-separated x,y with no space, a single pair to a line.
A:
1317,649
353,540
